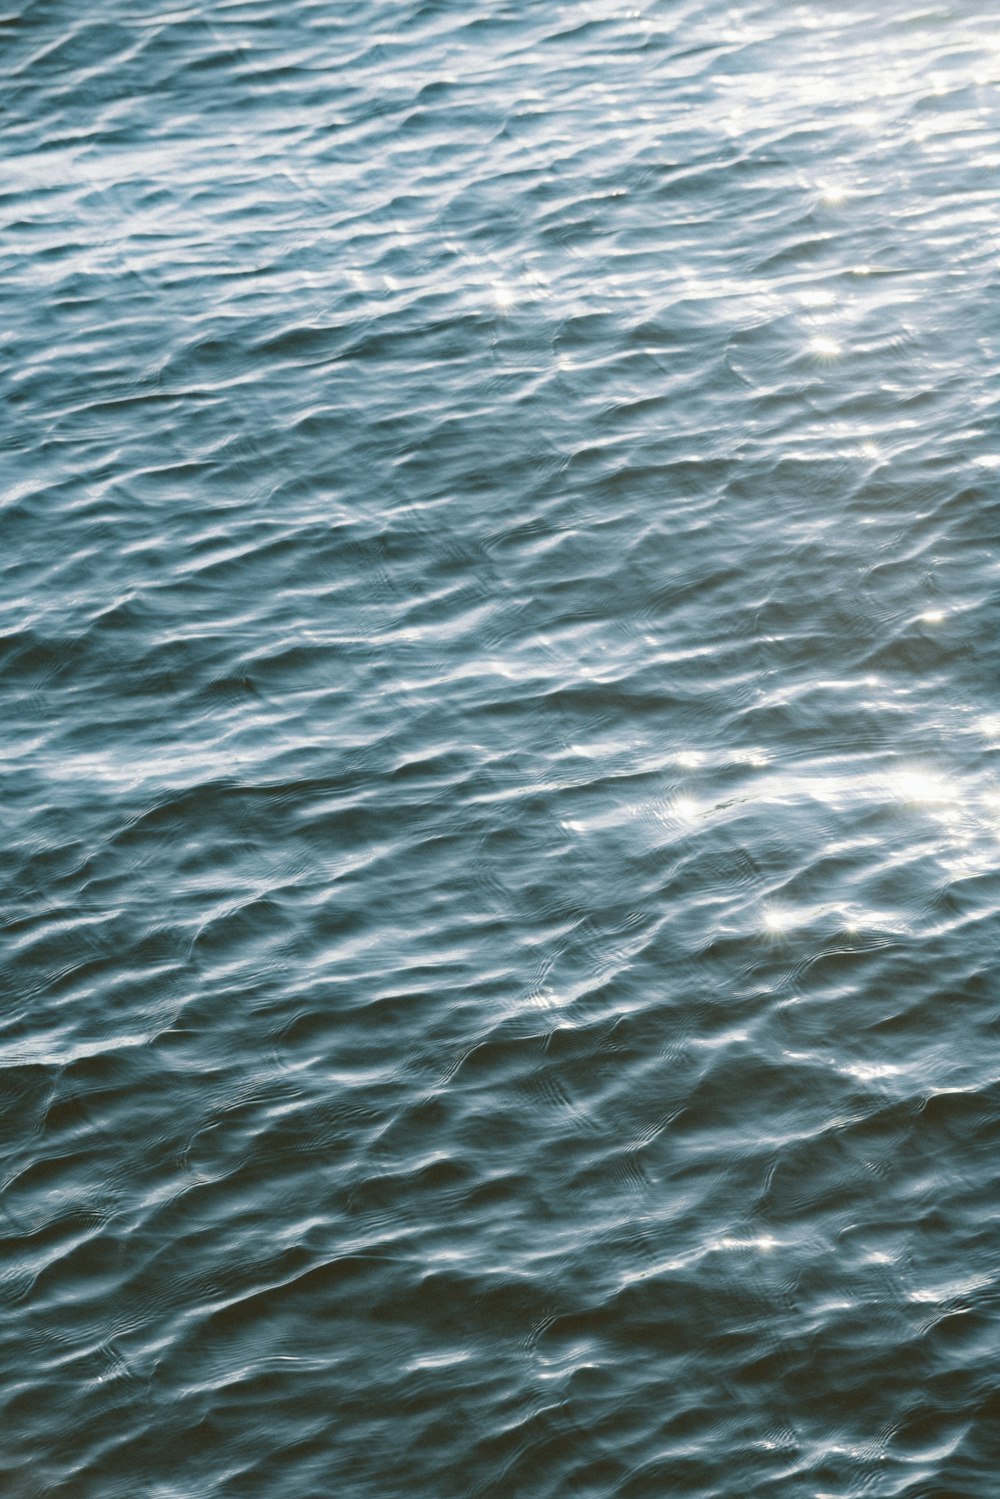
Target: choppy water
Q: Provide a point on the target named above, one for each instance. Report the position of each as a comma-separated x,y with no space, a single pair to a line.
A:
501,750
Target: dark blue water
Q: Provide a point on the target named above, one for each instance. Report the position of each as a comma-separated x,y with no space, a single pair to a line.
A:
499,603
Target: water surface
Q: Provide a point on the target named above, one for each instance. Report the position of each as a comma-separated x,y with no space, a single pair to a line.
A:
501,750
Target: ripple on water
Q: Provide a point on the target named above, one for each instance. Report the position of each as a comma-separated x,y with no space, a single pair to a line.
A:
498,686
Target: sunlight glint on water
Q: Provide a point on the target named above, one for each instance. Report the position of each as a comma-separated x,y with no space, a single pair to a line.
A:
499,687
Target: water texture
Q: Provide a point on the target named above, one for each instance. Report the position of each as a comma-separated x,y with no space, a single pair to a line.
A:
500,749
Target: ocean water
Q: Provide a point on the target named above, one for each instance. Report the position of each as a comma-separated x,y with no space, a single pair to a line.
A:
499,601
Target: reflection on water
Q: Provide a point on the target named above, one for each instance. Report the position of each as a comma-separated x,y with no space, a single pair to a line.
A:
499,686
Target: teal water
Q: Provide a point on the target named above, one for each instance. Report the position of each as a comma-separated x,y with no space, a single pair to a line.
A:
500,750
